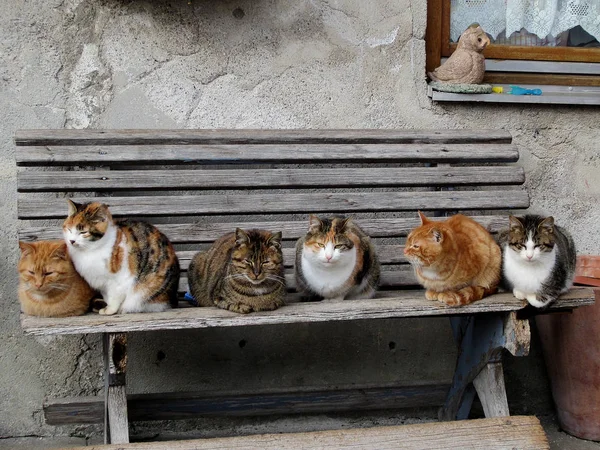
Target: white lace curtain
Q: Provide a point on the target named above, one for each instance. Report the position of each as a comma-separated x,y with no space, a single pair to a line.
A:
540,17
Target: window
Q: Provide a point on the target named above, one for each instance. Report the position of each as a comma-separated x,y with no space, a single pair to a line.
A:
534,42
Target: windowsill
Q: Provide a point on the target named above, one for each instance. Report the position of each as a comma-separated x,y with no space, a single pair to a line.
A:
557,95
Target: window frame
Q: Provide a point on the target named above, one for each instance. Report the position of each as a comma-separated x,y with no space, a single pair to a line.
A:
438,46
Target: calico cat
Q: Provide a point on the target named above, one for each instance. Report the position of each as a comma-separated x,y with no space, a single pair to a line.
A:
336,260
456,260
49,285
539,259
132,264
241,272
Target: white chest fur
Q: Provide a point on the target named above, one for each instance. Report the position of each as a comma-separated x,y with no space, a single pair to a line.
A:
328,279
93,263
527,276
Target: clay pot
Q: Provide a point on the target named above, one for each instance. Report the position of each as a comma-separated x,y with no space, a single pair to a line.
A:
571,346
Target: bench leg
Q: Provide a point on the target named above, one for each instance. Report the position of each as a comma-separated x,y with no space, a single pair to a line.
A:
116,427
490,388
480,340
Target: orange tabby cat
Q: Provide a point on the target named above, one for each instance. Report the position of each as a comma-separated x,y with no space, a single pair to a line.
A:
456,260
49,286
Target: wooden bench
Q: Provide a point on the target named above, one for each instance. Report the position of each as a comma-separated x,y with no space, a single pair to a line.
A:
196,185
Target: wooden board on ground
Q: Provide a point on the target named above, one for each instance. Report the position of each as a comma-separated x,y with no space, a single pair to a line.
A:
502,433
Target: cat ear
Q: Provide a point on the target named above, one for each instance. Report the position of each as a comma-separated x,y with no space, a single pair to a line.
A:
73,207
241,237
60,252
314,223
547,225
101,213
515,223
424,219
275,239
341,224
26,248
438,236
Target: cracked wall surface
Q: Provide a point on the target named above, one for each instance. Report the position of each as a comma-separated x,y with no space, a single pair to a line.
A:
253,64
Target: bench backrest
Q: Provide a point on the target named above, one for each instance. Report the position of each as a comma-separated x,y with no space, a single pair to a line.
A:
196,185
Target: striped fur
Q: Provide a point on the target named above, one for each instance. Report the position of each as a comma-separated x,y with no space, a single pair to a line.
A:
456,260
49,285
336,260
241,272
131,263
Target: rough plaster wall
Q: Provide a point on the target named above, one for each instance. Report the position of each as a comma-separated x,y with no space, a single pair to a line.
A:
262,64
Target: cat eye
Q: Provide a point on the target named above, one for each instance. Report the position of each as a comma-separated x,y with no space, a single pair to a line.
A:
321,245
248,262
415,246
45,274
340,246
31,272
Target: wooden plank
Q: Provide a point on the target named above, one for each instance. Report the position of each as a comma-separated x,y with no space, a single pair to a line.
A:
316,202
387,254
588,266
490,388
116,425
506,433
290,154
245,136
393,304
260,178
400,276
177,406
190,233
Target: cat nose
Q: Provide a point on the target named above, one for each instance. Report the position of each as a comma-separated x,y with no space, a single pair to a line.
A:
71,241
529,256
328,257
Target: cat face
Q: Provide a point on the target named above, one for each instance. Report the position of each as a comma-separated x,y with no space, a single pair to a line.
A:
86,224
531,238
44,266
425,243
327,241
257,256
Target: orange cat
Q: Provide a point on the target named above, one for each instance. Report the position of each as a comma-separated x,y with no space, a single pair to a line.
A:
456,260
49,286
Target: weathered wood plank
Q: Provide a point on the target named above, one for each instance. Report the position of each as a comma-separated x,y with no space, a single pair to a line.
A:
190,233
245,136
116,425
177,406
400,276
490,388
392,304
506,433
284,154
106,180
387,254
341,202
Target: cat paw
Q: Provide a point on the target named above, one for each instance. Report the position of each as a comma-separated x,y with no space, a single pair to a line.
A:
541,302
450,298
240,308
520,295
107,311
431,295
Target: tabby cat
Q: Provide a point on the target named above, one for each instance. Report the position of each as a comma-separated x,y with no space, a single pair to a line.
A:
336,260
49,285
539,259
241,272
456,260
132,264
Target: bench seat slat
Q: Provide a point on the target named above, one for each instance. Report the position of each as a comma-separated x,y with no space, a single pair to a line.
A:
387,305
292,230
116,180
52,155
222,136
341,202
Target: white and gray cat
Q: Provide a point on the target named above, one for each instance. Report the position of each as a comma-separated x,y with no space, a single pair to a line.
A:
538,259
336,260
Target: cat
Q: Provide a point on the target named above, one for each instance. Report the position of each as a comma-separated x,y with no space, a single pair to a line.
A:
49,285
242,272
131,263
456,260
539,259
336,260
